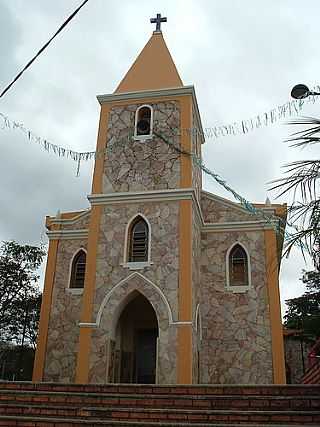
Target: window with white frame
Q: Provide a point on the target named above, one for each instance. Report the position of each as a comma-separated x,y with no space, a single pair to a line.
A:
238,268
143,126
138,240
78,269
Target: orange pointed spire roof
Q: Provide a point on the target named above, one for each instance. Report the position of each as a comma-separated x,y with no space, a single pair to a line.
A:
153,69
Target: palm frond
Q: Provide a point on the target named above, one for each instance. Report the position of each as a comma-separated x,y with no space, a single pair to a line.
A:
303,175
301,181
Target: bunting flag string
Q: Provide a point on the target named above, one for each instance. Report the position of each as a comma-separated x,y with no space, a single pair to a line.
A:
278,223
275,221
44,143
289,109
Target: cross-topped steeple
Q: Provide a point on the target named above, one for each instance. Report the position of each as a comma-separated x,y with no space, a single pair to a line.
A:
158,21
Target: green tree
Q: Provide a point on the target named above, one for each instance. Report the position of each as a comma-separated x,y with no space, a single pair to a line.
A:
19,293
304,312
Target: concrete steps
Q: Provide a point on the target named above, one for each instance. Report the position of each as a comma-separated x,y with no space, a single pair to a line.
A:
48,404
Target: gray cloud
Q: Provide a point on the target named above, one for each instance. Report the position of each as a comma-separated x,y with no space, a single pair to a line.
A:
242,57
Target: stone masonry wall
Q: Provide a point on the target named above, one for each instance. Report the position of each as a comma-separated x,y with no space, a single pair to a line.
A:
63,334
132,165
216,211
236,346
296,355
163,272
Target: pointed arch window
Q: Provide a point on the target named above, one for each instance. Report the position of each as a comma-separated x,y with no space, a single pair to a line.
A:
78,270
238,266
139,241
238,269
143,126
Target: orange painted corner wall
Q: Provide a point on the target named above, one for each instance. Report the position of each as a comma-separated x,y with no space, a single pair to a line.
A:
185,355
83,356
40,356
272,272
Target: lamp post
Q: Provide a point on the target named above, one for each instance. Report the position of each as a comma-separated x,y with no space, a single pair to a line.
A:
301,91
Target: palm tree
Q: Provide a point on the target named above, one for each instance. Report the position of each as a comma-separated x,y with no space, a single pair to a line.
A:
302,181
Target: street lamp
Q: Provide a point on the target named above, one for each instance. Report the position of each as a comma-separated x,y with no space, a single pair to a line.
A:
302,91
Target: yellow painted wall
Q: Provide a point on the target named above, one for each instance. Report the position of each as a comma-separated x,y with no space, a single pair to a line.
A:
184,374
40,356
272,272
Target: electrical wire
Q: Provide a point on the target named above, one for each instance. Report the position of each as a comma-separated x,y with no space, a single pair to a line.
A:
43,48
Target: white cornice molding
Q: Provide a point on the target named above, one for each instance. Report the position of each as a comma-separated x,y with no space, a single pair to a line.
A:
141,196
216,227
148,196
145,94
70,221
176,91
67,234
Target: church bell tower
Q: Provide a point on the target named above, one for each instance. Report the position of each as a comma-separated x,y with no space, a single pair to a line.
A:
143,187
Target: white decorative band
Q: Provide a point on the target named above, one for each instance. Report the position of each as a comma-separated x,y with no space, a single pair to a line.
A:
95,325
67,234
237,226
146,196
141,196
87,325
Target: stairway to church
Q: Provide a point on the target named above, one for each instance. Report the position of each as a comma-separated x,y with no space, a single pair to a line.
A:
49,404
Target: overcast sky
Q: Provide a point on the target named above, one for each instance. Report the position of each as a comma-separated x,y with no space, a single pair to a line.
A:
242,56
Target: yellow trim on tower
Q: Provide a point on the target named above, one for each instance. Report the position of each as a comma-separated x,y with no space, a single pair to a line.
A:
184,365
101,146
40,356
272,272
83,362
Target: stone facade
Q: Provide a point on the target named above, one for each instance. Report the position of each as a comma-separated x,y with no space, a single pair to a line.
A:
162,272
296,353
231,332
236,345
135,165
63,334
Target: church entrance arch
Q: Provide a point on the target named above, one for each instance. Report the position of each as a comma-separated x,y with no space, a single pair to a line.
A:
136,337
110,338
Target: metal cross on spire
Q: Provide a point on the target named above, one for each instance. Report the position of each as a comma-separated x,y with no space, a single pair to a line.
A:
158,21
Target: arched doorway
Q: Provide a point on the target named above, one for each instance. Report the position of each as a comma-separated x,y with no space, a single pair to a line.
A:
136,342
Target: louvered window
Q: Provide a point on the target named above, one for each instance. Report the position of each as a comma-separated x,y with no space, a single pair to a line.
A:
139,241
238,267
78,270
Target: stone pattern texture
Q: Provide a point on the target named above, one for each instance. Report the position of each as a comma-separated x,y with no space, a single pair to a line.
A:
163,272
65,313
236,345
135,165
296,354
106,331
218,211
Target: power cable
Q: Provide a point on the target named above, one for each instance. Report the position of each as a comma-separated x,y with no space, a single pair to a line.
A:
43,48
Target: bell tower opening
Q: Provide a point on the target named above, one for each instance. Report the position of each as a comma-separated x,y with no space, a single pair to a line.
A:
136,342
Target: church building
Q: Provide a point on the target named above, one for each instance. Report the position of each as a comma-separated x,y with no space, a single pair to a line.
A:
159,281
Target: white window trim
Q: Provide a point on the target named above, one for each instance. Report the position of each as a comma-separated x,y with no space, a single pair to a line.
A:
237,289
68,289
136,265
143,137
